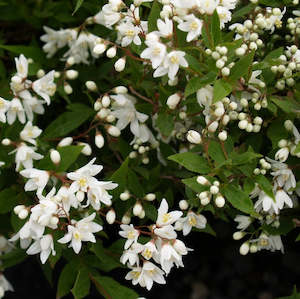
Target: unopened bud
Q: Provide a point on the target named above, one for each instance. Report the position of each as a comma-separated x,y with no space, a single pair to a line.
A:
6,141
99,140
244,249
55,156
111,52
183,204
86,150
65,141
18,209
238,235
71,74
220,201
113,131
150,196
125,195
91,85
23,214
173,100
80,195
111,216
120,64
120,89
137,209
193,137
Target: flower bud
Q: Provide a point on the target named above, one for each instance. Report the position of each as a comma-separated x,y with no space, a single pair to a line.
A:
193,137
202,180
142,214
173,101
23,214
99,48
213,127
99,140
55,156
244,249
86,150
18,209
6,141
205,201
65,141
150,197
111,216
220,201
111,52
120,89
288,124
214,189
253,248
183,204
54,220
120,64
68,88
125,195
180,247
222,135
113,131
70,61
71,74
97,105
105,101
126,219
137,209
238,235
40,73
91,85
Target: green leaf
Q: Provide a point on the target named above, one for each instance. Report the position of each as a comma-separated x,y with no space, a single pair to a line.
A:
12,258
120,177
191,161
82,284
244,10
196,83
208,229
276,132
286,104
215,28
244,158
8,200
242,67
154,16
286,225
66,280
194,63
265,185
134,184
295,295
297,149
239,199
111,289
165,123
221,90
67,122
298,238
78,4
107,262
215,152
150,211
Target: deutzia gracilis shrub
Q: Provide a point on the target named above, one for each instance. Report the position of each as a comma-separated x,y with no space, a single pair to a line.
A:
127,125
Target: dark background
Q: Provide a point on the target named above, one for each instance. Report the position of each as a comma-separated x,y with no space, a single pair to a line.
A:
215,270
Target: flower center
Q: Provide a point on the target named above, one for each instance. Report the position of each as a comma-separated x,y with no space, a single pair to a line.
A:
82,182
192,221
166,217
174,59
194,25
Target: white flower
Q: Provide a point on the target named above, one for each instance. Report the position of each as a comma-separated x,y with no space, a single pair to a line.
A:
15,109
149,250
229,4
192,220
208,6
84,176
129,33
267,203
97,193
243,221
22,66
44,246
134,275
132,254
282,154
155,52
108,16
164,218
30,132
45,87
129,232
169,256
205,97
166,232
44,212
38,179
282,198
31,104
4,105
192,25
126,114
269,242
165,27
224,15
81,231
171,65
150,274
67,198
25,156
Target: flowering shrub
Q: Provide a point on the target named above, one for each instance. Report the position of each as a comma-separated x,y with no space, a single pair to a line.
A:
150,116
